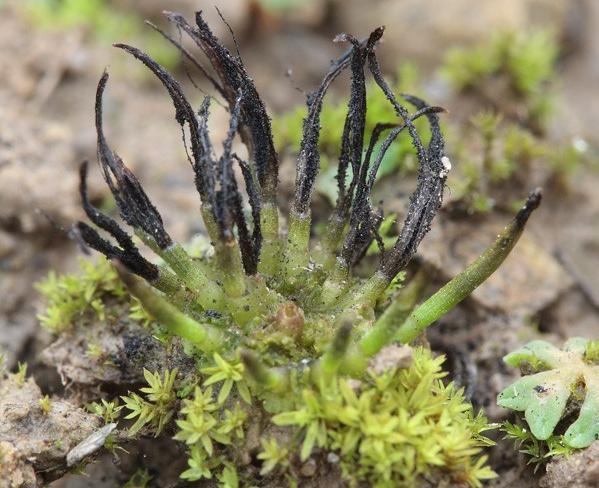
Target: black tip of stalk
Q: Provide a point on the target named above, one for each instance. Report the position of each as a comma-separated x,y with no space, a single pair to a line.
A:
308,160
341,339
257,370
134,205
532,203
103,221
253,364
187,55
129,257
255,128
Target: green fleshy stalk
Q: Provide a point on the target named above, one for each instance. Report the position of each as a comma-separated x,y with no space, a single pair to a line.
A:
206,337
331,240
386,326
468,280
228,256
229,263
269,262
298,243
193,274
333,358
167,282
335,285
367,293
268,378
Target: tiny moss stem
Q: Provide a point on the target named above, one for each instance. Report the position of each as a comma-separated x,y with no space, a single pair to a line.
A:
468,280
204,336
298,245
270,251
386,326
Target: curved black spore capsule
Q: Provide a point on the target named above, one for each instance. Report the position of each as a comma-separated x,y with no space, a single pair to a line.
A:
426,199
223,192
428,111
249,255
134,205
308,160
226,179
374,138
400,110
436,145
184,114
189,56
364,222
366,235
130,257
532,203
103,221
255,127
352,142
254,201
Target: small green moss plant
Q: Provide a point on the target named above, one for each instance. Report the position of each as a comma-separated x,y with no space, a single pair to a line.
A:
539,451
45,404
108,411
283,330
140,479
526,60
21,374
393,427
508,157
70,296
157,405
555,379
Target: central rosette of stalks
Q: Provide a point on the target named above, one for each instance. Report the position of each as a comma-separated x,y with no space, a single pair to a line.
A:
265,284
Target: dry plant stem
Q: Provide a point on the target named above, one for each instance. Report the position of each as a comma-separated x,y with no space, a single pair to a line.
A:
468,280
206,337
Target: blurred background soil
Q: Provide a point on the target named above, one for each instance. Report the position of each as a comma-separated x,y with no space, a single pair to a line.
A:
48,77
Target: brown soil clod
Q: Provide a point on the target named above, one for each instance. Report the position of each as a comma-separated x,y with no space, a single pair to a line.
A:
33,442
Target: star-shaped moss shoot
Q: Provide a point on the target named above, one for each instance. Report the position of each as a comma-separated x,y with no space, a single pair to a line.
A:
571,373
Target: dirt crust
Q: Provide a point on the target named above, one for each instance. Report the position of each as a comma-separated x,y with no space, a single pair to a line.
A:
580,470
34,441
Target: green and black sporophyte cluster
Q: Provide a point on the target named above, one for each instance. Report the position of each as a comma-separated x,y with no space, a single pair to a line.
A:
283,331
